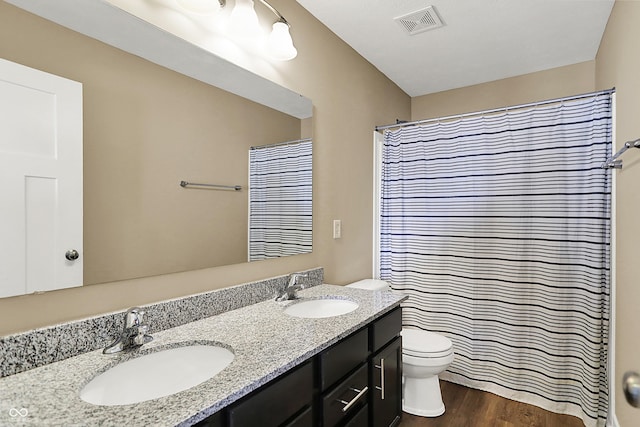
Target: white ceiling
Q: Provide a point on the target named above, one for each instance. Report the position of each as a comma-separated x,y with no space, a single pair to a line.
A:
481,41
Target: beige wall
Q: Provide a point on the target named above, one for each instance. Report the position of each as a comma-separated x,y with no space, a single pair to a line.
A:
555,83
618,63
350,97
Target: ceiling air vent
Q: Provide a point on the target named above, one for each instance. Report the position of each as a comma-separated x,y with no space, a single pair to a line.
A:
420,20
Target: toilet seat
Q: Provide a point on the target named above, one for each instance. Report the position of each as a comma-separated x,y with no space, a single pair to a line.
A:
419,343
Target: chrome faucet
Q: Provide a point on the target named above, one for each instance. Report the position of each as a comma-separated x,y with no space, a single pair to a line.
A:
292,287
134,333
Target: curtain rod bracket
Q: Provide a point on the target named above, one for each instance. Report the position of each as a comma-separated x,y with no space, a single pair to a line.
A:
613,162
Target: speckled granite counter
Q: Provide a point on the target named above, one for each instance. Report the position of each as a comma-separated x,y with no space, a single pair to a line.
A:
266,343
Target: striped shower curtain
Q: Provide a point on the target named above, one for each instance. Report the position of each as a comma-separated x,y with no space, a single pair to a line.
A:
498,228
280,205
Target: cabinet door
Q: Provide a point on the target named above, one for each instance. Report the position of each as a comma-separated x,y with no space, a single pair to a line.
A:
386,374
273,404
385,329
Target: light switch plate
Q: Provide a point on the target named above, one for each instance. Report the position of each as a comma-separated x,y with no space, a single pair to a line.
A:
337,228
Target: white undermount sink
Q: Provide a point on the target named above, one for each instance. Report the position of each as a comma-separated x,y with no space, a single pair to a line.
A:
319,308
158,374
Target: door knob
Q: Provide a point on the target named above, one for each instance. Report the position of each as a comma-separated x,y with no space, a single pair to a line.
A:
72,255
631,386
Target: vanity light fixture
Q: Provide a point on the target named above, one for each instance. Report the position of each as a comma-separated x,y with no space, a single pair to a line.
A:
244,24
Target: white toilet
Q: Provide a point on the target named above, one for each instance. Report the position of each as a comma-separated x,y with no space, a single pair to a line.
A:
424,356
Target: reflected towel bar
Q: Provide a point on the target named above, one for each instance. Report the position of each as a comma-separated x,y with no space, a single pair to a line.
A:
185,184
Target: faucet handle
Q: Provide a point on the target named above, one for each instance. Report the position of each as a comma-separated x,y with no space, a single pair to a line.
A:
293,278
134,317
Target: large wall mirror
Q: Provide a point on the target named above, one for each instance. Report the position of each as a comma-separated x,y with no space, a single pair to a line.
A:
147,127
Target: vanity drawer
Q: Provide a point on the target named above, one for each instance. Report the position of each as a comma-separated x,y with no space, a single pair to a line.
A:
276,402
342,358
305,419
346,399
361,419
385,329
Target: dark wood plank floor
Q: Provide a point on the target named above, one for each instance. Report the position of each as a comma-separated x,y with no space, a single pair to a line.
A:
466,407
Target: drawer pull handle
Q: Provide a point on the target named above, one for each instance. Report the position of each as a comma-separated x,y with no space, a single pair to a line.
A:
381,388
348,405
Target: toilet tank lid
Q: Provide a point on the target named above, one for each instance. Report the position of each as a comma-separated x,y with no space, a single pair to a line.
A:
370,284
424,341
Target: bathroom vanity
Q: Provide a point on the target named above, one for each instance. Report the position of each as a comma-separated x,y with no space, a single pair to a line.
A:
355,382
286,370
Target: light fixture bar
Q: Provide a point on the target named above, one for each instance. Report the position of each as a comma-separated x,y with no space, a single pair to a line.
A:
274,10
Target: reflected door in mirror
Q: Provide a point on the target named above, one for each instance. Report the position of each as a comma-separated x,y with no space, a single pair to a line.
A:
40,181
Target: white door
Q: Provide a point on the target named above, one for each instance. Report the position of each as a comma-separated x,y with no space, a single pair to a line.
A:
40,180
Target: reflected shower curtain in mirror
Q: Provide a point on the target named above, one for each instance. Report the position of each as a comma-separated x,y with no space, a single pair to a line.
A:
497,226
280,200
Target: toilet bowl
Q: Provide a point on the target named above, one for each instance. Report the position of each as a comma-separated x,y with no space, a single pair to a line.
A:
424,356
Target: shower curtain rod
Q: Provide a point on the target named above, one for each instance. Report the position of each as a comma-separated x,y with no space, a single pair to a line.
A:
495,110
255,147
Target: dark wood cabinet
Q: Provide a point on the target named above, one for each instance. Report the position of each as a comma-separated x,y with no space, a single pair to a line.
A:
386,385
276,403
357,382
361,419
385,329
215,420
342,358
346,398
305,419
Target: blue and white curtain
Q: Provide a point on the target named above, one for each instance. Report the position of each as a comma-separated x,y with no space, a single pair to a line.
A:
280,200
498,228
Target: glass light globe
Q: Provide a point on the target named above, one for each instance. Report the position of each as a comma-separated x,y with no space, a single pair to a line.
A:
280,43
244,20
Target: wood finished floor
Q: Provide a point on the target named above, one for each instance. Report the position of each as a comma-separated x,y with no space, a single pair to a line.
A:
466,407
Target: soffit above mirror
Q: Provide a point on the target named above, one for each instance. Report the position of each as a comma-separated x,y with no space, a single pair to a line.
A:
98,19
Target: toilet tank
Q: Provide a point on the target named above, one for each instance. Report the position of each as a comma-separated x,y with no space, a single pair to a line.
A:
370,285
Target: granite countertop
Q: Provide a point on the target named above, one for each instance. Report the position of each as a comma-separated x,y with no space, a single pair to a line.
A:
266,342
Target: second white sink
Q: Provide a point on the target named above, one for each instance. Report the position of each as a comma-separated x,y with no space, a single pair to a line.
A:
319,308
158,374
